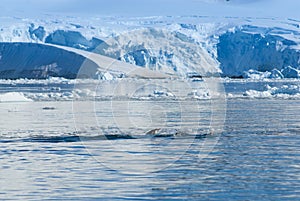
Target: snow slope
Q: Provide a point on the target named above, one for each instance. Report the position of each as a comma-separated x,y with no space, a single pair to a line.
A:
36,61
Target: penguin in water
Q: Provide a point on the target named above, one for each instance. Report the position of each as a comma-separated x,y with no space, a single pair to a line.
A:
153,131
159,132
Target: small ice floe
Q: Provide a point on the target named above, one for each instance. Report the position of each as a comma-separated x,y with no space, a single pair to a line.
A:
159,93
258,94
51,96
276,74
79,93
104,76
256,75
284,92
55,89
203,95
287,72
14,97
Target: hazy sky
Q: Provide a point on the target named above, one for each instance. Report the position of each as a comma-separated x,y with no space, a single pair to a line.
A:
269,8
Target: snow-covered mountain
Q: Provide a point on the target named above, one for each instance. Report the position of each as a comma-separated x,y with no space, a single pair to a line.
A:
232,46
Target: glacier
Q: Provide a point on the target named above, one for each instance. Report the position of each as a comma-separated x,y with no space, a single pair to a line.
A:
240,51
211,46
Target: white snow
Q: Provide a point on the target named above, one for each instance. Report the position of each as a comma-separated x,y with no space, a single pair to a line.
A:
254,74
204,36
178,44
276,74
287,72
14,97
291,91
200,95
70,90
105,76
160,93
258,94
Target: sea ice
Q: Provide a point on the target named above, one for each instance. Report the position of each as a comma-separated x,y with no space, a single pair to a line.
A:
14,97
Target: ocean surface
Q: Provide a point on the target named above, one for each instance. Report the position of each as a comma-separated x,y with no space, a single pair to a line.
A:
157,147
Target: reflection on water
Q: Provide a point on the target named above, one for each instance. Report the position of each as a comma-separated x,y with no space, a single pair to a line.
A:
256,157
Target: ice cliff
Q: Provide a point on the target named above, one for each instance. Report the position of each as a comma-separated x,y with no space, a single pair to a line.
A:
233,47
240,50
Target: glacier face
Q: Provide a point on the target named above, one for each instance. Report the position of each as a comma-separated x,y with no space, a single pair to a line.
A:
160,50
72,39
183,44
240,51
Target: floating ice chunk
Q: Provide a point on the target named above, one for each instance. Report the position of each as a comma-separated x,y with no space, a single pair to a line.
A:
84,93
257,75
258,94
230,95
276,74
105,76
55,89
199,95
254,74
52,96
290,72
158,93
285,91
14,97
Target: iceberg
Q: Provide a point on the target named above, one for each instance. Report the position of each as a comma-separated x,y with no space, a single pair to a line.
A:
254,74
105,76
257,75
290,72
276,74
284,92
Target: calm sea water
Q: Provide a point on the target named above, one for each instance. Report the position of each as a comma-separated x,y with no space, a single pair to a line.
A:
51,150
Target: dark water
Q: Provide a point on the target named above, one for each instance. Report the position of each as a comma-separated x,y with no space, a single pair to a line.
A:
256,157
